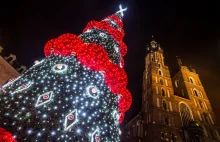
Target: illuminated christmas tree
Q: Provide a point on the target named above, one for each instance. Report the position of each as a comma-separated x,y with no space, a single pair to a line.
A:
77,93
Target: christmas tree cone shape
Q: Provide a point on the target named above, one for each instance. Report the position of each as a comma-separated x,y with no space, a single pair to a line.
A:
77,93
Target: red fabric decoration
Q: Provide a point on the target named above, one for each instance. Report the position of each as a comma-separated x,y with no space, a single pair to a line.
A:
94,57
116,34
104,25
124,101
48,48
6,136
116,74
123,48
63,45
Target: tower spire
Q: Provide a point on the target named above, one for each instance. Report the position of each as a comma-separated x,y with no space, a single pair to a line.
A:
179,62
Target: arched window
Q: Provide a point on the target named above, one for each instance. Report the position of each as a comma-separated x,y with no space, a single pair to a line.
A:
152,57
162,92
159,65
161,81
160,72
185,114
176,83
164,104
191,80
196,92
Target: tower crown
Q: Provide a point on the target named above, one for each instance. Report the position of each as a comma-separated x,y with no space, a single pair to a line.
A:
153,46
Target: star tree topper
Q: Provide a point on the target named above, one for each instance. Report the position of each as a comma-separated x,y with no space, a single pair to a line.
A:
121,10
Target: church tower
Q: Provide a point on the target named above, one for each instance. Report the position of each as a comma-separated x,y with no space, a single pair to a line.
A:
173,110
194,106
160,117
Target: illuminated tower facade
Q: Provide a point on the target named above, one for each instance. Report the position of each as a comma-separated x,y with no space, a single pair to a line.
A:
174,109
160,115
194,106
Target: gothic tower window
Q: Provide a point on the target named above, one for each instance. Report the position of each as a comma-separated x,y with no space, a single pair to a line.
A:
185,114
196,92
176,83
164,104
159,65
163,92
161,81
191,80
160,72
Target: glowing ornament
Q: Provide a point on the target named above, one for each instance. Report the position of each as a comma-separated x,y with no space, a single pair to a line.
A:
24,87
70,120
95,136
60,68
88,31
38,62
121,10
44,98
103,35
11,81
92,91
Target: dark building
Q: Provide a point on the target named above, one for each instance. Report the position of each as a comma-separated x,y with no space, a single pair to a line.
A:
9,68
174,109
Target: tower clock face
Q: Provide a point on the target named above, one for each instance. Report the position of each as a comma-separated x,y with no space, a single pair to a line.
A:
153,44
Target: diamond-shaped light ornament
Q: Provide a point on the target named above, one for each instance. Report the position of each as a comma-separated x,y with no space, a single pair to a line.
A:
95,136
24,87
70,120
44,98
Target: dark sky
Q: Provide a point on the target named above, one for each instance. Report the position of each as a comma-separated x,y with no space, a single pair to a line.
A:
189,29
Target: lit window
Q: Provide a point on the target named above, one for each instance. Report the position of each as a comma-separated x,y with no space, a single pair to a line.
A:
185,114
159,65
196,92
176,83
191,80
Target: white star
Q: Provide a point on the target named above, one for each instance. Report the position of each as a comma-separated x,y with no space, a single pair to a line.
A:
121,10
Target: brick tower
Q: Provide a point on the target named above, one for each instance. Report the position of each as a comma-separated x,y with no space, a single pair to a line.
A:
174,110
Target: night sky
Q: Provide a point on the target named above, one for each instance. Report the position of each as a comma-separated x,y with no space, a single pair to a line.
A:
188,29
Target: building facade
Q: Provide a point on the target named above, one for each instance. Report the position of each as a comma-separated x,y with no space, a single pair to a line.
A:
173,109
9,68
